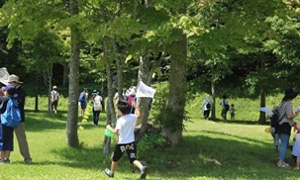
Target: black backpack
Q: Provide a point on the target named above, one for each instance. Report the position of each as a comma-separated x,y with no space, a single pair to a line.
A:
208,106
275,120
226,107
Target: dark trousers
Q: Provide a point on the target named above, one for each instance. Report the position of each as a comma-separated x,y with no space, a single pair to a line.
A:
206,114
96,115
54,105
224,114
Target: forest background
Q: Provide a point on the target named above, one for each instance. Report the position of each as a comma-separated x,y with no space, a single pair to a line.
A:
238,48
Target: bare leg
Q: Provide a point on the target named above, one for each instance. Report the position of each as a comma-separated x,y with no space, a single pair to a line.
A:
298,162
6,154
113,166
138,164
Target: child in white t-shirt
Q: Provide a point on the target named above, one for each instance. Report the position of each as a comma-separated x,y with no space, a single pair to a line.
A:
125,130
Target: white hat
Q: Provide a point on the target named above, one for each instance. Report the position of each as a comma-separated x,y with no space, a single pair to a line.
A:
54,87
13,78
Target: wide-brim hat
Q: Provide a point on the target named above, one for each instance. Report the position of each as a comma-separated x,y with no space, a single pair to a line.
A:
13,78
290,93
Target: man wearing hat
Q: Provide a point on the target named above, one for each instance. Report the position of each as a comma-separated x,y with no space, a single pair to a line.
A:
20,130
54,96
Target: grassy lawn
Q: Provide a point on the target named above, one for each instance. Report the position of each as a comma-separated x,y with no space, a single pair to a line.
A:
210,150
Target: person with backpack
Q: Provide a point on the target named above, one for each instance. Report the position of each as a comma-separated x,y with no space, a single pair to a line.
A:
10,119
83,101
54,96
20,95
286,122
206,106
225,107
273,129
97,106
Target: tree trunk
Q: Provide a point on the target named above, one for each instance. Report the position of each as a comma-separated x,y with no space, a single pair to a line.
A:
119,70
36,107
111,115
49,77
144,75
177,88
213,93
72,137
65,75
262,115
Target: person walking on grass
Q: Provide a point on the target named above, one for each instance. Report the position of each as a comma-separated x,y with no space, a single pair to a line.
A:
286,123
296,147
20,130
97,106
54,96
83,100
206,106
225,107
274,133
125,130
6,132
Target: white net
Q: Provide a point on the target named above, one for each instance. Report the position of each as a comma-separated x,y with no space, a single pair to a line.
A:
4,76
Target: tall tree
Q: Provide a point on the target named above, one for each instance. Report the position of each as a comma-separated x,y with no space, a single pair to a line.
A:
71,130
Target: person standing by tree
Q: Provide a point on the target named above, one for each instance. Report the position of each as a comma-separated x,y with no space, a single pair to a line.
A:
206,106
83,101
20,130
286,123
225,107
97,106
54,96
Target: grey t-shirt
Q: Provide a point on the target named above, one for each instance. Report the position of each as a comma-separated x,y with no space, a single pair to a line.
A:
285,109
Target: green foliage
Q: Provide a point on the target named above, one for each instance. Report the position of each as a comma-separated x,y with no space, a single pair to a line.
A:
150,142
288,38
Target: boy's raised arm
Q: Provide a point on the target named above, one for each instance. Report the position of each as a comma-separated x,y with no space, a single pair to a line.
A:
137,110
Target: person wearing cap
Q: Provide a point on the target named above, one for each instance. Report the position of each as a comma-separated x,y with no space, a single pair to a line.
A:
54,97
286,114
20,130
6,133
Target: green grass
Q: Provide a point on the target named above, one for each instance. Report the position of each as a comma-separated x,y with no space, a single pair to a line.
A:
209,150
246,109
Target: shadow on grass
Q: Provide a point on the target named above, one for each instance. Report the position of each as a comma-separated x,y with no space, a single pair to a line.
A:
235,136
196,157
237,121
42,120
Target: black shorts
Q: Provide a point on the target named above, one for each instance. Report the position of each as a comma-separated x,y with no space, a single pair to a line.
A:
129,148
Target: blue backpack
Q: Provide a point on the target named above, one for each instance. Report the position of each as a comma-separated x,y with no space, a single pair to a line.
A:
12,115
81,97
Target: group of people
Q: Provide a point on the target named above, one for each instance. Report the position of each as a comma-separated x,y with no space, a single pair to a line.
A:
281,131
96,101
15,92
207,106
